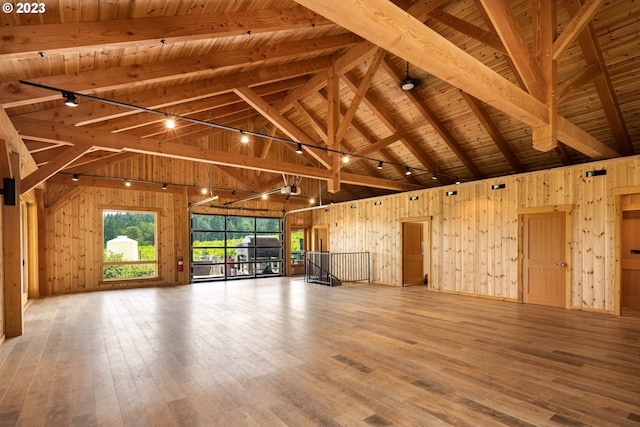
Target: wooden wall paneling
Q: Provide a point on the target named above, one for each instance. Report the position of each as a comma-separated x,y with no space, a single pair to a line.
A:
484,242
603,232
509,216
469,249
591,239
609,246
74,238
12,257
436,211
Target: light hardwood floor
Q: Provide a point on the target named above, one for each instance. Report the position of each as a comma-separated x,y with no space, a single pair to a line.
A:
275,352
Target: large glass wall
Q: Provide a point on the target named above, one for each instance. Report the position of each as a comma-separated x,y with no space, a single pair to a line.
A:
225,247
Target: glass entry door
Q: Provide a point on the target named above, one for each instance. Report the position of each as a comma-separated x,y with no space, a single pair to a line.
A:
225,247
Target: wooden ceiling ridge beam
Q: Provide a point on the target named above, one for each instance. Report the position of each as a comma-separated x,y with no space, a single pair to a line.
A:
606,92
26,41
437,125
511,35
391,28
483,116
14,94
102,140
276,118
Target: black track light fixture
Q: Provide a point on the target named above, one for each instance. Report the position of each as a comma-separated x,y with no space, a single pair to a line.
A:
165,186
380,163
70,99
458,180
75,177
407,171
434,176
299,148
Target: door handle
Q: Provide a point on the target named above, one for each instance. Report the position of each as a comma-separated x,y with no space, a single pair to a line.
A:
560,264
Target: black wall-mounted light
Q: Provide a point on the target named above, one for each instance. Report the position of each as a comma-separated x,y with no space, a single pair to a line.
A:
9,191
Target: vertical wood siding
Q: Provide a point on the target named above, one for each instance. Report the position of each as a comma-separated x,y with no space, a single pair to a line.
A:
74,236
474,240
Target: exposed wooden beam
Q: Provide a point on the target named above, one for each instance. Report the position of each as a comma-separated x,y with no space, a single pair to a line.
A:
165,98
277,119
201,108
5,163
464,27
16,145
26,41
73,135
512,37
354,56
483,116
606,92
266,146
114,183
387,119
372,181
53,166
312,121
581,141
437,125
545,138
391,28
359,95
333,121
571,86
378,145
236,175
13,94
576,25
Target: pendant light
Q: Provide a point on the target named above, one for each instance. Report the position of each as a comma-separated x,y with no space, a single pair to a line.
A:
408,83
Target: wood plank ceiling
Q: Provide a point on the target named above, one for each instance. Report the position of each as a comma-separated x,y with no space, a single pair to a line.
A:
502,87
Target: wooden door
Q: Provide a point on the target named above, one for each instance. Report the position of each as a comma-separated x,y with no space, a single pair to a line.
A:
544,259
630,261
412,254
